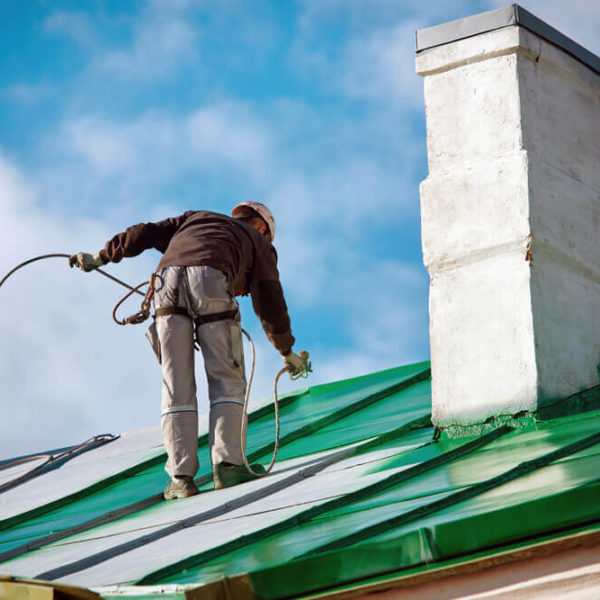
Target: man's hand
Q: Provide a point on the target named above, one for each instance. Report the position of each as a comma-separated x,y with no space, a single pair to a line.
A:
297,364
85,262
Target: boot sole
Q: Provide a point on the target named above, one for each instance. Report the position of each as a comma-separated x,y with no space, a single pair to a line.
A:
220,484
179,495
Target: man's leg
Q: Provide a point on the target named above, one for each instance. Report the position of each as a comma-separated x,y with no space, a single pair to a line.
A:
179,408
221,344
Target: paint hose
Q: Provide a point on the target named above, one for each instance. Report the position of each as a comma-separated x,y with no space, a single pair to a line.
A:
44,256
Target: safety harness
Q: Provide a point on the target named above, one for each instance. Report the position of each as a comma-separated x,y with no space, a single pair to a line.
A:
173,309
163,311
176,309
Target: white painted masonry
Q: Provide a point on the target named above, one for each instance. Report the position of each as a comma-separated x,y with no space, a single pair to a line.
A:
510,223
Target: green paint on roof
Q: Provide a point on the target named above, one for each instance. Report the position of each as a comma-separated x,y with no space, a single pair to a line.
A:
366,488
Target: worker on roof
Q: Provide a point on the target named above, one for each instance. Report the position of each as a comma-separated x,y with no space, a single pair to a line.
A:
208,259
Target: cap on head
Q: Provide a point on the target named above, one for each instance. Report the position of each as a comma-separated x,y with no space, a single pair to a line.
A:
241,210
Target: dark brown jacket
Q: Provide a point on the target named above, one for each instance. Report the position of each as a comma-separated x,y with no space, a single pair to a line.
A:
237,249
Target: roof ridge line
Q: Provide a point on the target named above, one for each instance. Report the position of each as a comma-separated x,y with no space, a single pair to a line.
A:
228,506
133,470
315,584
55,461
343,412
315,511
186,522
140,505
309,428
521,469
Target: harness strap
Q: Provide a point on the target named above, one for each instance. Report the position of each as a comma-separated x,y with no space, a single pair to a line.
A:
200,319
228,314
163,311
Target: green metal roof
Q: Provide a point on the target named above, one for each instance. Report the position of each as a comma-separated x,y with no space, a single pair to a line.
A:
364,488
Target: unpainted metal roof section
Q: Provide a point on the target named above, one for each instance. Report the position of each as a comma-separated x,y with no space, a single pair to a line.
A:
497,19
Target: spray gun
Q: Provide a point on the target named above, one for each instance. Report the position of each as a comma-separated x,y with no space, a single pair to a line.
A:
302,370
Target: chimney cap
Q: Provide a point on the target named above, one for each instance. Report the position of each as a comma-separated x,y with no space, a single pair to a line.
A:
497,19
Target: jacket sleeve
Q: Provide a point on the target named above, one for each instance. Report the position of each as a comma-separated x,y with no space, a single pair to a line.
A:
268,300
137,238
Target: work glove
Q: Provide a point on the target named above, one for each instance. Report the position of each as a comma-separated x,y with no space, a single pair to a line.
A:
297,364
85,261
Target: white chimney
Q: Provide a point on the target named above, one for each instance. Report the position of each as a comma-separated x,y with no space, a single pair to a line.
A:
510,214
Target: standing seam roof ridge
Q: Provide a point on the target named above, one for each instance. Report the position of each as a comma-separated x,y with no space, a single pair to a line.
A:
418,423
523,468
108,517
142,466
581,402
214,512
343,412
92,489
331,418
205,515
315,511
158,498
377,560
57,461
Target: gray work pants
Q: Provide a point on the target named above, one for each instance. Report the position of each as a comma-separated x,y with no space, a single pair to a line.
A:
203,291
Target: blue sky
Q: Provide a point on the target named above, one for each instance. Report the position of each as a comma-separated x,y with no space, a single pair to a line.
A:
116,112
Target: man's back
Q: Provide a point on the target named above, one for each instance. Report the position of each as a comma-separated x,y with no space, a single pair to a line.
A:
198,238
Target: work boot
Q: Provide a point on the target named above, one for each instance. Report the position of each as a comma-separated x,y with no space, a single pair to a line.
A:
180,487
227,475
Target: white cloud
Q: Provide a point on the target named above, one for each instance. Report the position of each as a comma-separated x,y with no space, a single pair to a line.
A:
386,300
66,372
376,60
74,25
334,182
380,66
104,145
330,218
363,15
229,134
158,146
163,42
14,192
27,95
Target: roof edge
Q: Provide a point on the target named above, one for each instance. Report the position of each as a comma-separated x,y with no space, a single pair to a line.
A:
586,537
